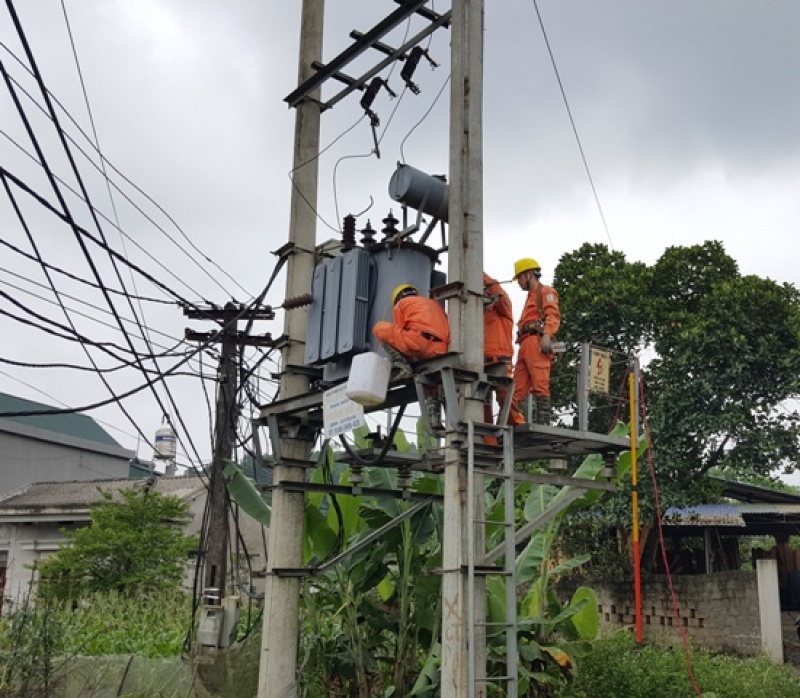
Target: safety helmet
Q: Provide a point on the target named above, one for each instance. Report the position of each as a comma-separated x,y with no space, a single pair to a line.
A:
525,264
403,290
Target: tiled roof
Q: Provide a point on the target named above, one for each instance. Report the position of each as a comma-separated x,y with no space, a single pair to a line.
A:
728,514
704,515
74,424
82,494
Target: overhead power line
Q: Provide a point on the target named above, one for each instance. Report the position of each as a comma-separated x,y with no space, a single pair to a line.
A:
572,122
131,183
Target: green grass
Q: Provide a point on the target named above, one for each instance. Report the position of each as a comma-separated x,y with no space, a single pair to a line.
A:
149,626
618,668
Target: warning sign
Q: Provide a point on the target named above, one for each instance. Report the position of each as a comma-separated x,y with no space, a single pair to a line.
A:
599,370
339,413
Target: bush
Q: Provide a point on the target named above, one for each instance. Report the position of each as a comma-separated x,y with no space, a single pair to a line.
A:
618,668
39,641
153,625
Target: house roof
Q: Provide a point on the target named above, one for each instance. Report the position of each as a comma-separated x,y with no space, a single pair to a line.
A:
759,510
745,492
704,515
750,519
74,424
50,500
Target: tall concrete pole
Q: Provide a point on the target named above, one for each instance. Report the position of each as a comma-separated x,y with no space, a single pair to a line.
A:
278,666
465,264
225,428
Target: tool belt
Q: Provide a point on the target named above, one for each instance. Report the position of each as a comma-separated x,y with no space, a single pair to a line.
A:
430,337
497,359
532,327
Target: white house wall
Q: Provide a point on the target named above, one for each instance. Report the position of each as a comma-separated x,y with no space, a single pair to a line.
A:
26,545
28,542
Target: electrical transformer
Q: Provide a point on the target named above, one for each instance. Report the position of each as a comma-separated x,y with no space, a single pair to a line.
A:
352,291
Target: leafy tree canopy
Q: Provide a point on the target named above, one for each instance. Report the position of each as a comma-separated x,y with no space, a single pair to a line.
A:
135,543
726,357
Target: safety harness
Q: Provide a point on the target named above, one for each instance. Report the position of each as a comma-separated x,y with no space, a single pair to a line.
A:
533,326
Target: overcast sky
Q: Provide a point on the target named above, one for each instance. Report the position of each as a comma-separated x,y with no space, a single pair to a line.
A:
688,113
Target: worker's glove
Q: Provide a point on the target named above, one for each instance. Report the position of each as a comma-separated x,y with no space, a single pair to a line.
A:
545,345
490,299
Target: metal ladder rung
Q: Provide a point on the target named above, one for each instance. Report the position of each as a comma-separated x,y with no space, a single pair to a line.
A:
492,572
497,474
491,461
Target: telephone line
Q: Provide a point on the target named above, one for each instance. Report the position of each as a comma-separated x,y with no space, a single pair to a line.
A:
75,277
127,180
119,229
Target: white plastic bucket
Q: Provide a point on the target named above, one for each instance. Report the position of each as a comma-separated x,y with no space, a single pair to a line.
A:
369,379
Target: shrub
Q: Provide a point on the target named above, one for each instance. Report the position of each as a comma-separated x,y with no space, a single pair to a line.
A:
618,668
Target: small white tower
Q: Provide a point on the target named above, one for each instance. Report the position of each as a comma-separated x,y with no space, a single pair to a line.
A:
165,448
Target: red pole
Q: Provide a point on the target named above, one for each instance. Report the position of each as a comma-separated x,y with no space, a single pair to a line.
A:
637,571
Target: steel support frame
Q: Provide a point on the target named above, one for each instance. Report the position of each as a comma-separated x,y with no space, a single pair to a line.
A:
359,46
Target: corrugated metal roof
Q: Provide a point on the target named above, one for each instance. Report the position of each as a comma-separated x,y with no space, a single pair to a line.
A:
785,509
745,492
77,425
82,494
704,515
727,514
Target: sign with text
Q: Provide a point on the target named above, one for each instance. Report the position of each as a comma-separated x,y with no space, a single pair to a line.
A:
339,413
599,370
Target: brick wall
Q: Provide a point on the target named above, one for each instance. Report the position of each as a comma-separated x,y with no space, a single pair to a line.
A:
719,611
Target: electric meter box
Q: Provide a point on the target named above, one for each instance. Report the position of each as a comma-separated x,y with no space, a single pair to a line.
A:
209,630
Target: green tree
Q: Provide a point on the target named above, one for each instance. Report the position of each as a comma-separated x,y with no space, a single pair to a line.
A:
726,351
134,544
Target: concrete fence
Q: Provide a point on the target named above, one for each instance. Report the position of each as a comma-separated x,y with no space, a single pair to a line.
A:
725,611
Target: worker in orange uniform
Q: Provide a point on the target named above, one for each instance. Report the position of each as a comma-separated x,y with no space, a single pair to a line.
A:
498,347
537,326
419,331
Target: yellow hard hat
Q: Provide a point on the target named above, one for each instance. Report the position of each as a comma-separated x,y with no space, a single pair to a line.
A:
525,264
399,289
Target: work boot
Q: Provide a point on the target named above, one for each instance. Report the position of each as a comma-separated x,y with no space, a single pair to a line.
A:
399,362
543,409
433,408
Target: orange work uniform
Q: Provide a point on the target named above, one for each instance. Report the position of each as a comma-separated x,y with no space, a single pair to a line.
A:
539,316
498,326
419,331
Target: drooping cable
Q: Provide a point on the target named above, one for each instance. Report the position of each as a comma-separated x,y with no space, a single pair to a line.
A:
129,238
664,557
132,184
93,318
424,116
64,207
572,122
73,277
291,172
144,329
6,174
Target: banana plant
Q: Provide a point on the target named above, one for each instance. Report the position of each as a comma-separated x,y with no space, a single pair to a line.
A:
551,634
370,620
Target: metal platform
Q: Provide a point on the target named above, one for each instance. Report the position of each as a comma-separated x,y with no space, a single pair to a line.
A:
537,442
431,461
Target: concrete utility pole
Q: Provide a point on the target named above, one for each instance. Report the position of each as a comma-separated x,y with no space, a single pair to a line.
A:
215,562
465,264
278,666
216,543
